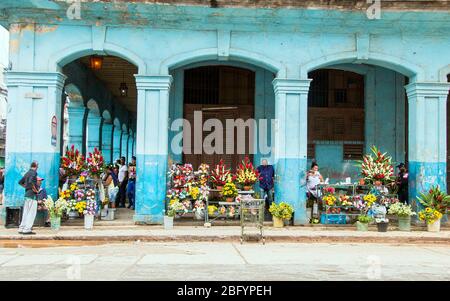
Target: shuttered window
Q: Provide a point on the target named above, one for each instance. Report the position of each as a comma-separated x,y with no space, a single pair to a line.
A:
353,151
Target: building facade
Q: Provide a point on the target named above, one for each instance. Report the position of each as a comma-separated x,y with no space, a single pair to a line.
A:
337,78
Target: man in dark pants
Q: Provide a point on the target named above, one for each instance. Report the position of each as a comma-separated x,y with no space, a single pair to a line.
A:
402,183
30,183
123,180
266,175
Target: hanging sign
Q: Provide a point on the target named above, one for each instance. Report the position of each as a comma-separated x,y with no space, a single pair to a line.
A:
54,130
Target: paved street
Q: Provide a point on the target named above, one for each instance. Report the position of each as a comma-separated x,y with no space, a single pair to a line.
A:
226,261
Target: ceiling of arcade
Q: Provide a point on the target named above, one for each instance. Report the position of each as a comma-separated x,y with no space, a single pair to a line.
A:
113,72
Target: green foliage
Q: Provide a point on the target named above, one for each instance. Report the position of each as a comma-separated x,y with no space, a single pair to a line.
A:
364,219
435,199
282,210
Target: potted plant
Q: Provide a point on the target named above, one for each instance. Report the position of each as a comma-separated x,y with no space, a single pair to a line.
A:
229,191
280,212
363,222
432,217
219,175
435,203
168,218
55,211
246,174
382,224
404,213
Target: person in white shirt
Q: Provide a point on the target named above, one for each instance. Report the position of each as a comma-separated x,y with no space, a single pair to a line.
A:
123,181
313,178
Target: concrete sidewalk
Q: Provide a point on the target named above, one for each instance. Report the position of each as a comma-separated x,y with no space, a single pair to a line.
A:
229,234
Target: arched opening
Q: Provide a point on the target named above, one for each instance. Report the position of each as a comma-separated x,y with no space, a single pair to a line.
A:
350,109
228,100
218,93
108,93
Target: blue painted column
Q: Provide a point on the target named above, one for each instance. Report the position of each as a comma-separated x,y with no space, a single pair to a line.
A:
76,116
151,147
117,133
124,147
93,132
427,136
130,147
107,130
34,98
291,110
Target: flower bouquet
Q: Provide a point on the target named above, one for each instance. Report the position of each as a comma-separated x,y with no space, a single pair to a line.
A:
95,163
229,191
436,205
73,162
377,167
246,174
219,175
404,213
280,212
55,211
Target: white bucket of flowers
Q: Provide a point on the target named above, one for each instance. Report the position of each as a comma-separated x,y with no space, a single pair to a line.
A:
89,213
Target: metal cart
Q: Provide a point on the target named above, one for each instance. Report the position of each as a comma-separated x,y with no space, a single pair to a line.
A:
252,216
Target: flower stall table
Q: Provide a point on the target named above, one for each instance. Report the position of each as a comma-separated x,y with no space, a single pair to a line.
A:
337,214
235,205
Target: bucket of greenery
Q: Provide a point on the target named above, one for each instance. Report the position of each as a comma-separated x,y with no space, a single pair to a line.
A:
435,204
363,222
280,212
55,211
171,211
404,213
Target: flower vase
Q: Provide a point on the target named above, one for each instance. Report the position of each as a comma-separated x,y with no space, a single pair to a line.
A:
362,226
404,223
229,199
434,227
247,188
278,222
55,223
168,222
219,188
89,221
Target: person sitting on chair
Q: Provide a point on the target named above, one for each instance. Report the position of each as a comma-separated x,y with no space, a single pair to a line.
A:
313,178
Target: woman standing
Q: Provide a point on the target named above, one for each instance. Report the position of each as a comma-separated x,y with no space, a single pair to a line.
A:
111,183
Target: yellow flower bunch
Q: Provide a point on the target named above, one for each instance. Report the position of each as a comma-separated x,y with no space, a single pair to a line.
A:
229,190
173,201
73,186
212,209
246,176
329,199
430,215
370,199
82,179
80,206
65,194
194,192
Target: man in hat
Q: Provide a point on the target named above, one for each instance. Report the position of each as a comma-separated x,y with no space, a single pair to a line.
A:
30,183
402,183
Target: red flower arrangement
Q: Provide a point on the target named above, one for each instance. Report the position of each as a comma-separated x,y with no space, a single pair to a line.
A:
246,174
73,162
95,163
220,174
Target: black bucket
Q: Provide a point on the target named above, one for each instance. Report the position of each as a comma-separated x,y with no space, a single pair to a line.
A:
382,227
